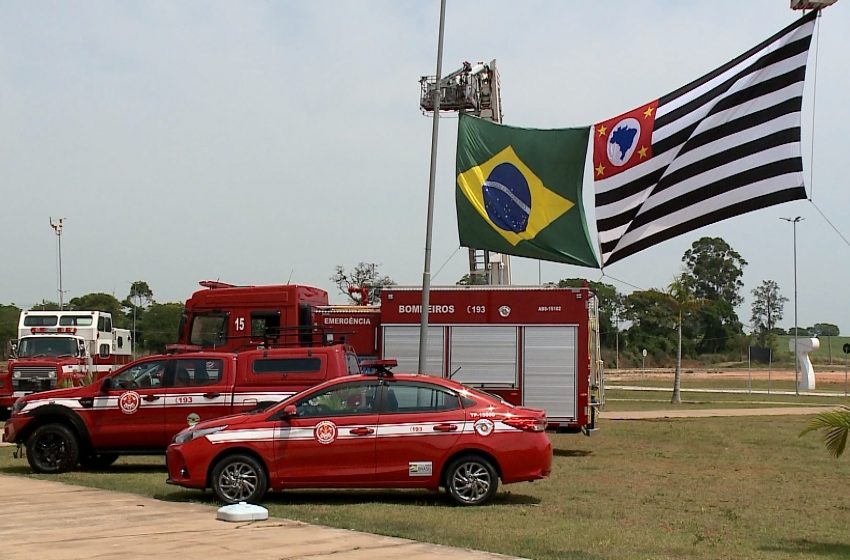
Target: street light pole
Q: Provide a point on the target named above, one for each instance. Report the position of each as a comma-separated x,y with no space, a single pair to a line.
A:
429,223
57,227
796,328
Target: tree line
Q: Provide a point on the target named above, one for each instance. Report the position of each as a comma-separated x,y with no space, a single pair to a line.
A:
154,324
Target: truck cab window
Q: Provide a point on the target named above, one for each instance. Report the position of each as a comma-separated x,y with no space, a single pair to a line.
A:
208,330
32,347
265,323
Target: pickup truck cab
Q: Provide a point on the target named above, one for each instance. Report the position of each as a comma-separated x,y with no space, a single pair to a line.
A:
137,410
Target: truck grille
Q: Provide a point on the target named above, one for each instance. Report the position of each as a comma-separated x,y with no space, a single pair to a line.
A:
31,385
33,378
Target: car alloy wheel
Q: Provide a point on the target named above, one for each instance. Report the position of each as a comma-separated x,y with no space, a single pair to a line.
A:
239,478
471,481
52,448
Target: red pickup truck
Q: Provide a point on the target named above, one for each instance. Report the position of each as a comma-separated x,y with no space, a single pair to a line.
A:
137,410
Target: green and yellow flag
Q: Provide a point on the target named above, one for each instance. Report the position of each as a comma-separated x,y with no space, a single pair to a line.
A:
519,191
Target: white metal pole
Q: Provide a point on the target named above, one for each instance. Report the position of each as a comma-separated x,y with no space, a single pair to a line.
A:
429,224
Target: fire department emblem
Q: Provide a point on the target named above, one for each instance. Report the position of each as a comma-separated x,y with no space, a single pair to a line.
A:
129,402
325,432
483,427
504,310
193,419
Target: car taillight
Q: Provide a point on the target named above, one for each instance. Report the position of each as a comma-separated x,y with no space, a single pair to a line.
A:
527,424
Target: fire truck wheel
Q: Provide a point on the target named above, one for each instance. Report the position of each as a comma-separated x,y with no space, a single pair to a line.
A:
97,461
52,448
239,478
471,480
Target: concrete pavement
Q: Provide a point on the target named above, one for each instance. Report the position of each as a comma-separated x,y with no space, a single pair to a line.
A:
54,521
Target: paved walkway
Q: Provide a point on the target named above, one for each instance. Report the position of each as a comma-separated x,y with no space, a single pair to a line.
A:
54,521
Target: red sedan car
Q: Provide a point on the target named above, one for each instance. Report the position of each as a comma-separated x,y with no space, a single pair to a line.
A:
368,431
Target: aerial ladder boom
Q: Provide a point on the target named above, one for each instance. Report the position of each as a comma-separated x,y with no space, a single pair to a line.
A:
473,89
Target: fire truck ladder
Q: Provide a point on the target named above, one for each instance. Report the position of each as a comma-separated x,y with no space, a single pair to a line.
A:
597,366
473,89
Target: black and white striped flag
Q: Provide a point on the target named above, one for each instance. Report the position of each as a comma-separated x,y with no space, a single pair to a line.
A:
726,144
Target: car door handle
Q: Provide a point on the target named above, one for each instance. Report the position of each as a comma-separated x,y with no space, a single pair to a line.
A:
211,395
151,398
445,427
361,431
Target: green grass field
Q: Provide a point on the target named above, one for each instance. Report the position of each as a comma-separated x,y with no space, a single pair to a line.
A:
708,488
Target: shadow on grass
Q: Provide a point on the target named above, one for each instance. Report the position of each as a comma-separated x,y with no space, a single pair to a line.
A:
125,469
349,498
571,452
805,546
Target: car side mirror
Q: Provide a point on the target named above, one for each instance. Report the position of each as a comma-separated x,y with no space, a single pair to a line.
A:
289,411
13,348
106,385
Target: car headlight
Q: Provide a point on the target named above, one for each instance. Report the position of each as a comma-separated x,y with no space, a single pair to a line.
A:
16,374
51,375
18,406
191,433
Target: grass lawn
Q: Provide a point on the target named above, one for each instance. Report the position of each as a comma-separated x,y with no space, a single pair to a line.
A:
706,488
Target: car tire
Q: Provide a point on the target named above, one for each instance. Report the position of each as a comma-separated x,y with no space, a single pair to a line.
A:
471,480
98,461
239,478
52,449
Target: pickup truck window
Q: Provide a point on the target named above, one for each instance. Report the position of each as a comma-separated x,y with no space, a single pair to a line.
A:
208,329
287,365
195,373
145,374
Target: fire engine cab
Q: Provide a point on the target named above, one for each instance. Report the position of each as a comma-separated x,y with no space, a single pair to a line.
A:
62,349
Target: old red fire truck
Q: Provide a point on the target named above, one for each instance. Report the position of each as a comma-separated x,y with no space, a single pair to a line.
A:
61,349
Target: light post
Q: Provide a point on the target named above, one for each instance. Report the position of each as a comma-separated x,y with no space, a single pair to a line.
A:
57,227
796,359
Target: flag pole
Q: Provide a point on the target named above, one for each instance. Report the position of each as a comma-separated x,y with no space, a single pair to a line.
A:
429,224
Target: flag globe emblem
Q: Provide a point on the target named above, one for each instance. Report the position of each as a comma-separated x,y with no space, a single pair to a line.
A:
623,141
507,198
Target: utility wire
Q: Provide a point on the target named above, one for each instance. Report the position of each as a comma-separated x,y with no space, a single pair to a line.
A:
841,235
814,102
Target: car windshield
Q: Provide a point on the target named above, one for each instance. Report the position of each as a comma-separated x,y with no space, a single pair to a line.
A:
37,346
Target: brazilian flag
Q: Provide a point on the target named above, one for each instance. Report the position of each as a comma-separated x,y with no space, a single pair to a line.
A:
519,191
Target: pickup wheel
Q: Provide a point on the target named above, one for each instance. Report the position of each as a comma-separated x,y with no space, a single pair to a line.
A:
97,461
52,448
471,480
239,478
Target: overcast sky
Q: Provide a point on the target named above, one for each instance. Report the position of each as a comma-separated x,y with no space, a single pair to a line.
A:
266,142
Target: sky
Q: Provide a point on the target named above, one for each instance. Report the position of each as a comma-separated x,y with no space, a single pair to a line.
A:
267,142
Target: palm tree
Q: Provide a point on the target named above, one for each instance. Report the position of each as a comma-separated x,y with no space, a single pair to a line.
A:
682,301
837,426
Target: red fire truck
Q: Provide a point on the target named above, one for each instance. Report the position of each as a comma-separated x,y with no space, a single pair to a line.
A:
229,318
61,349
533,346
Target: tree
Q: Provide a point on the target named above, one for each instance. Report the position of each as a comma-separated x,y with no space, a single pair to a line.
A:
713,272
651,320
682,301
140,297
9,317
610,306
837,426
363,276
477,280
100,302
159,325
767,309
824,329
